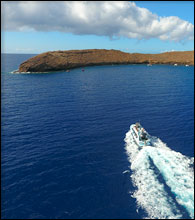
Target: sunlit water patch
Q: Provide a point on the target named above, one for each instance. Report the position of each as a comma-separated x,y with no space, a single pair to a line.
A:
163,180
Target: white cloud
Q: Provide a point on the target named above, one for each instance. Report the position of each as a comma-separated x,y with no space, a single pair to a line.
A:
163,51
103,18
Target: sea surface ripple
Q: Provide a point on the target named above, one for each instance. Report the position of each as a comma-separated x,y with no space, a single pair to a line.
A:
63,150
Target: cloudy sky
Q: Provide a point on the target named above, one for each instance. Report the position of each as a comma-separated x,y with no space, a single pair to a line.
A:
145,27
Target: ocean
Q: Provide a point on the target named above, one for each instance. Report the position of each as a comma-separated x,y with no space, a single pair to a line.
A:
66,149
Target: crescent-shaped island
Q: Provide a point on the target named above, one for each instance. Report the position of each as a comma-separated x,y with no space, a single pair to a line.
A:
66,60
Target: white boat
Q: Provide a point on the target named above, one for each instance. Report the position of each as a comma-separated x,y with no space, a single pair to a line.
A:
149,64
175,64
140,136
187,65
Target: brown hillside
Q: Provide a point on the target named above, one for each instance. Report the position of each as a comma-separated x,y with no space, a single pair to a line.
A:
63,60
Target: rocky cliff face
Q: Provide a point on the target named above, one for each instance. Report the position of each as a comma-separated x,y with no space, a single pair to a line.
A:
63,60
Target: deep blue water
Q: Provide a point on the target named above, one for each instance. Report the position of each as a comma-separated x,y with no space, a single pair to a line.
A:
63,151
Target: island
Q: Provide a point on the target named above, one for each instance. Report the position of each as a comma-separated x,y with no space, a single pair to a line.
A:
66,60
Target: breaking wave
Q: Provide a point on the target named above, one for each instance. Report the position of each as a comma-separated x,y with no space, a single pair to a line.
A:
163,178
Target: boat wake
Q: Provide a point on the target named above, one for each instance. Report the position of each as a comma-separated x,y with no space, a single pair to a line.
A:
163,178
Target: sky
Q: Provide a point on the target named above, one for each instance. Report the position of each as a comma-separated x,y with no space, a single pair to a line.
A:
34,27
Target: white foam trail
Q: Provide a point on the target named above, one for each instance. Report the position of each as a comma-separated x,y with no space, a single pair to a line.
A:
151,193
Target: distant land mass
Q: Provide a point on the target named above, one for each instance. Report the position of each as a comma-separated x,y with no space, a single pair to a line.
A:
66,60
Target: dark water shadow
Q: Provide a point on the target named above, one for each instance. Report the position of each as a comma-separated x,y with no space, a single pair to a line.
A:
179,207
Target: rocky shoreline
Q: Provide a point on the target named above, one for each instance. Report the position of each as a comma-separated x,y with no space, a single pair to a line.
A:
66,60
